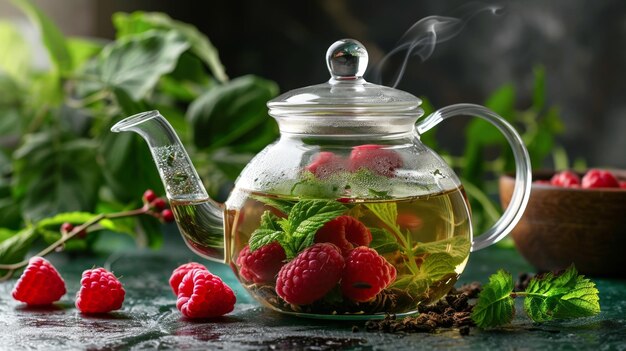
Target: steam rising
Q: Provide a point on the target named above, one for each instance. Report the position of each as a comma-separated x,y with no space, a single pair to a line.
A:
420,40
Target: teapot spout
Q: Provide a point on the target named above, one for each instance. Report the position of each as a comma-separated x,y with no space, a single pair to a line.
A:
200,219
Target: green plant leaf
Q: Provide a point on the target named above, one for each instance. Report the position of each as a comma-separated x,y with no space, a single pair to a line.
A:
502,101
495,305
124,152
55,173
283,206
269,231
383,241
6,233
187,81
225,114
230,162
309,186
149,232
307,216
539,88
257,139
201,46
10,214
437,266
52,37
457,247
386,212
74,218
15,54
568,295
14,248
133,64
82,50
262,237
77,218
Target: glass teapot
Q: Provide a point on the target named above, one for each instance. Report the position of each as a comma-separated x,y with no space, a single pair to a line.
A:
346,215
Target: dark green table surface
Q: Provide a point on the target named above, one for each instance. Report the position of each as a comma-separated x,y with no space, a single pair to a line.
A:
149,318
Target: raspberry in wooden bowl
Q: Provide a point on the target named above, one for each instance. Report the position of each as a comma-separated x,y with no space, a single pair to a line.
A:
566,222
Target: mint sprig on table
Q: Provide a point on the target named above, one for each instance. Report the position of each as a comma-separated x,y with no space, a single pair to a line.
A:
547,297
297,231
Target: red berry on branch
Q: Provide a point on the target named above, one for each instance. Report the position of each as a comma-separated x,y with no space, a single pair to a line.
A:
82,234
66,227
158,204
168,215
149,196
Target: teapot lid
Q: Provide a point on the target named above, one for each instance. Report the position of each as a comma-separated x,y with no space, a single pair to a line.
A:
346,93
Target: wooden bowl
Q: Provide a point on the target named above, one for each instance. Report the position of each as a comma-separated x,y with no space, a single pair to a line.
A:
562,226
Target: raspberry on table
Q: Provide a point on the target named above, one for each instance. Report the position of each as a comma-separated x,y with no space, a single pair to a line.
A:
597,178
565,179
325,164
100,292
374,158
346,232
261,265
366,274
204,295
311,275
40,284
179,273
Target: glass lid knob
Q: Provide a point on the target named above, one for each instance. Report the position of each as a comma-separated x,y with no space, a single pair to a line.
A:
346,59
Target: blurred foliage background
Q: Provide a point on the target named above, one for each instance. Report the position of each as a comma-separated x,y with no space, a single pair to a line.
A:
57,154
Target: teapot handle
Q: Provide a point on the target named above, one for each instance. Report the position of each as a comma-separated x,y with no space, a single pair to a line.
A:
523,176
